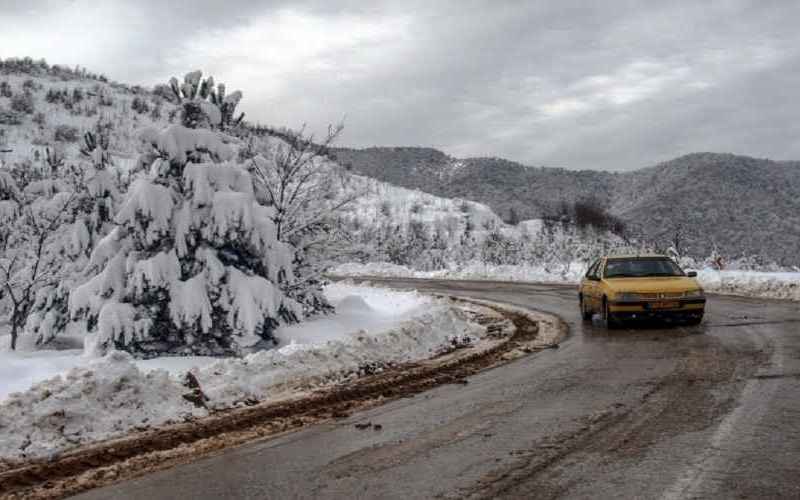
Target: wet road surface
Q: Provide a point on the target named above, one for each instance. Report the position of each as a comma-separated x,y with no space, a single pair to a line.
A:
711,411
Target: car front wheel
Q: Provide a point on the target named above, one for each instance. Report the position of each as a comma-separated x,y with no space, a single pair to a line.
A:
609,320
586,313
695,320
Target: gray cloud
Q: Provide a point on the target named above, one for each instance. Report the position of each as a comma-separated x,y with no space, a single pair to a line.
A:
616,85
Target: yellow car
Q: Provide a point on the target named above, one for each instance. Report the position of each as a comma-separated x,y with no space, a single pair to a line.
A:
640,287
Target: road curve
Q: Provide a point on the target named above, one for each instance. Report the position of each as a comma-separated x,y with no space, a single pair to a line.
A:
683,412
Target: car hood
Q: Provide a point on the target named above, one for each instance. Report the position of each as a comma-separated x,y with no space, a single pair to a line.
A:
651,285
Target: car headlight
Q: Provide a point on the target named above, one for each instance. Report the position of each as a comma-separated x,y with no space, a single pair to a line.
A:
629,296
694,294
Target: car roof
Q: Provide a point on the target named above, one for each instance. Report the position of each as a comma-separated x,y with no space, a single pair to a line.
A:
637,256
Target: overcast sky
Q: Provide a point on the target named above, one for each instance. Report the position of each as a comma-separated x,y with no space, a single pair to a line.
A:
618,85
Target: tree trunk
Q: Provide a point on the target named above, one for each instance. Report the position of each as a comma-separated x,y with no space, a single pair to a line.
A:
14,329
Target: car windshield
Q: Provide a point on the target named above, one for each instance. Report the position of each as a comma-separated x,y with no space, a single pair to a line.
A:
640,268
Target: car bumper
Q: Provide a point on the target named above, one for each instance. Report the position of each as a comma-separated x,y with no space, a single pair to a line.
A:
649,309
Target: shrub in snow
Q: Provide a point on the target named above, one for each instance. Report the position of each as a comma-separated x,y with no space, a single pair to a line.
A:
66,133
54,96
140,105
194,265
23,103
29,85
155,113
10,117
5,89
39,119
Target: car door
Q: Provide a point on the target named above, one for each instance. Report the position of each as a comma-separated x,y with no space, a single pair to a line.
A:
597,290
590,286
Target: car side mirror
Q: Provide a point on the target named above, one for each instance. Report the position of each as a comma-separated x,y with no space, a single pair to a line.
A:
692,274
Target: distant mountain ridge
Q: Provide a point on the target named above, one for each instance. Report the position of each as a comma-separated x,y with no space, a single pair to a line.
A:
736,204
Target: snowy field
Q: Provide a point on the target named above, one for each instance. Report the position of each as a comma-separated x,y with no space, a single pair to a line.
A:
774,285
52,400
784,285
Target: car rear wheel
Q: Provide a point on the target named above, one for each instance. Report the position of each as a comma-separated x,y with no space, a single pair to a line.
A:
586,314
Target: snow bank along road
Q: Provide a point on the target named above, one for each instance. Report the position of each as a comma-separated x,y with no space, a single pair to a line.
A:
707,412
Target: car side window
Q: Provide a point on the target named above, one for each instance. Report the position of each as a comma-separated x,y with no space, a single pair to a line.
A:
598,271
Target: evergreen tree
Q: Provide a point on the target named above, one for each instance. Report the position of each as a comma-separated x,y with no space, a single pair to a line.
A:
467,244
193,264
417,245
203,104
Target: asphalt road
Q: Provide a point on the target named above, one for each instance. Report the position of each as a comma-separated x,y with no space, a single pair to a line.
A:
684,412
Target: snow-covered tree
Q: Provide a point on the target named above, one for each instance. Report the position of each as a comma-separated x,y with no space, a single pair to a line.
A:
467,244
204,105
9,207
436,255
498,249
32,248
715,260
676,246
296,178
194,264
96,188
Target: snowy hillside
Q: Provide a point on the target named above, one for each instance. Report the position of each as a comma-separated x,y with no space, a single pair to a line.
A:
411,228
379,204
55,110
728,203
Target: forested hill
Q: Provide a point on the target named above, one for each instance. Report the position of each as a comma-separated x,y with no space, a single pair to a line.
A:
740,205
532,192
744,205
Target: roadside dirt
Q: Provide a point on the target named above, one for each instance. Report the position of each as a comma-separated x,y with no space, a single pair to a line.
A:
138,454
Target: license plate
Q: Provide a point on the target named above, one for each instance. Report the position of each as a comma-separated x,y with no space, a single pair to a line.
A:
664,305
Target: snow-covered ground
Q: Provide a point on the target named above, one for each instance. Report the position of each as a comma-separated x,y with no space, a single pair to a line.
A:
357,308
776,285
566,273
53,400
